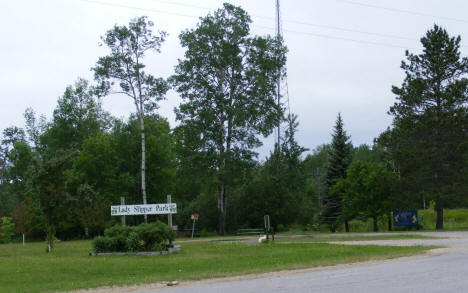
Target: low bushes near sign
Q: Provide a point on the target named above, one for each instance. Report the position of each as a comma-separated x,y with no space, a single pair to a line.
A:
145,237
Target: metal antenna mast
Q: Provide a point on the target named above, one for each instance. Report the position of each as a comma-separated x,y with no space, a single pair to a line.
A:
278,82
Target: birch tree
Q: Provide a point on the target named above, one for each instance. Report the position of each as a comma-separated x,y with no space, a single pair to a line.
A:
122,71
227,81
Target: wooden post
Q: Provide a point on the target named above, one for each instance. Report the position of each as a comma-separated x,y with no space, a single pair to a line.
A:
122,202
193,228
169,216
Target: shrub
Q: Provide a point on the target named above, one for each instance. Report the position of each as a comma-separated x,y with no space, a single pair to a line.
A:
155,235
134,243
104,244
6,229
281,228
147,237
117,230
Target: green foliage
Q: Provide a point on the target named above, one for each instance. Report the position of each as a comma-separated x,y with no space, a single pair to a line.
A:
227,81
23,216
105,244
278,188
123,66
134,243
428,141
366,191
339,159
155,235
78,116
6,229
454,219
365,153
145,237
281,228
128,46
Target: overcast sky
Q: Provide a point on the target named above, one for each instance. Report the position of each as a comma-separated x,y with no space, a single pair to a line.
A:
344,55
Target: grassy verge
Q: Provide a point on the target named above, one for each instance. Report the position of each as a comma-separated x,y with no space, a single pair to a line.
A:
30,269
315,239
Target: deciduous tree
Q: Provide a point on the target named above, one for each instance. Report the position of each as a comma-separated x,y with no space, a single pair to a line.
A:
366,191
227,83
128,46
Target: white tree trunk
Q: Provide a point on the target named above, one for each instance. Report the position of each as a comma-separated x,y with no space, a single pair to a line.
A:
143,161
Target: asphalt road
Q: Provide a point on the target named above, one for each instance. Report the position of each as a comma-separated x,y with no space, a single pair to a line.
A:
445,272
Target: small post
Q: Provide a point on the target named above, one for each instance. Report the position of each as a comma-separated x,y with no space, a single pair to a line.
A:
169,216
194,217
122,202
266,220
193,228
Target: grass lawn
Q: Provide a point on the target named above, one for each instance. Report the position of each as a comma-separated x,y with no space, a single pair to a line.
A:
30,269
315,239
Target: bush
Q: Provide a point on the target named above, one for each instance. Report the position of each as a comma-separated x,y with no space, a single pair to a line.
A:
145,237
117,230
155,235
134,243
104,244
281,228
6,229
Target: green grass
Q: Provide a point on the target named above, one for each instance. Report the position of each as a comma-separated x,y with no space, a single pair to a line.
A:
315,239
456,219
69,267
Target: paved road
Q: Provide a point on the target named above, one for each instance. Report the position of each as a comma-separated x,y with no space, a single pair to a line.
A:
446,272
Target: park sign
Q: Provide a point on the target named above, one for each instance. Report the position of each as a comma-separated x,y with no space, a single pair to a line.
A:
144,209
405,218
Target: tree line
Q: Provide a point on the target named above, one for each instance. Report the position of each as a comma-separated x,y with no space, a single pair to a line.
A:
60,175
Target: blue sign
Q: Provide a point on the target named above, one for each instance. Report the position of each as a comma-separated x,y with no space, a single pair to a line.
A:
405,217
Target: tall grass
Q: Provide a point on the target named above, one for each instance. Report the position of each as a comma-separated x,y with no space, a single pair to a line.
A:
454,219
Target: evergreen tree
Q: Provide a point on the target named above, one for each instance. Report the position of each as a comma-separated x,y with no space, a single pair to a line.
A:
339,159
429,138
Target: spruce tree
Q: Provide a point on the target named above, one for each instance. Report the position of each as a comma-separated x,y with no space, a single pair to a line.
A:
339,159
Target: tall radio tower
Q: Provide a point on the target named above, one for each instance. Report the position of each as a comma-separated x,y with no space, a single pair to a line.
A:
278,82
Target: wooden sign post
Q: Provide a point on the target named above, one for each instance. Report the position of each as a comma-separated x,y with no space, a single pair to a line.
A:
169,216
194,217
122,202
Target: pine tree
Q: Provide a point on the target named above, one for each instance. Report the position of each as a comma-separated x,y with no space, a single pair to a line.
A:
429,138
339,159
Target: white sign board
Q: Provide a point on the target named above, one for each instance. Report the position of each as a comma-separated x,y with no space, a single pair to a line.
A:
144,209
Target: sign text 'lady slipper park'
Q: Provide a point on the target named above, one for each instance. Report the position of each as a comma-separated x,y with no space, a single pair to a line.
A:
144,209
